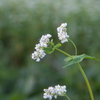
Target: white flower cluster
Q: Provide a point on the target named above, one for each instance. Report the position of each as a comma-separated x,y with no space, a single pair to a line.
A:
62,34
54,91
39,53
43,42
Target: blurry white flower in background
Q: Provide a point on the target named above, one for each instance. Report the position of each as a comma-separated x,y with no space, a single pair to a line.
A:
54,91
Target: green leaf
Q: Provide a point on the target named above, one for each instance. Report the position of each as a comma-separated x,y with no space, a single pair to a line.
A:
51,49
57,46
48,50
77,59
51,42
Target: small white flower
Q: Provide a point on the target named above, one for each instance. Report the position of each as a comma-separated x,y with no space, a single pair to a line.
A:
45,40
62,34
63,24
54,92
39,53
60,90
38,46
48,93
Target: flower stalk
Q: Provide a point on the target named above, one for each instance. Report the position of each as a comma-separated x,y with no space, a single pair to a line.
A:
86,80
67,97
64,53
83,73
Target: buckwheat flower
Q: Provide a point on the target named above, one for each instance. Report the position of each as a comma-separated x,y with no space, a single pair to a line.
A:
39,53
37,46
62,34
60,90
49,93
45,40
43,43
54,92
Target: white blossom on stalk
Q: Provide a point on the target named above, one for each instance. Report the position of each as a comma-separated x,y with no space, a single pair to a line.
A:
40,53
60,90
54,92
62,34
45,40
48,93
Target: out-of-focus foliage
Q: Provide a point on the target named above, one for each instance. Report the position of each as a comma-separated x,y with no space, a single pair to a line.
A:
22,23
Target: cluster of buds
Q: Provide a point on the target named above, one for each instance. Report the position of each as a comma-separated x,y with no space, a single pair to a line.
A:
54,92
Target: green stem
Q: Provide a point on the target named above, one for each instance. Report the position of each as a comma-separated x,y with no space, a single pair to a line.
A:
67,97
83,73
73,45
86,80
64,53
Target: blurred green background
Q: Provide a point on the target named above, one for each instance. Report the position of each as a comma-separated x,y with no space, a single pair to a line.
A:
22,23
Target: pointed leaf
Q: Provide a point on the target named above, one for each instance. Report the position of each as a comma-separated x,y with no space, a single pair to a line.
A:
57,46
77,59
48,50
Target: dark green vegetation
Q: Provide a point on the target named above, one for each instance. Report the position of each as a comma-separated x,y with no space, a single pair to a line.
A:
22,23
